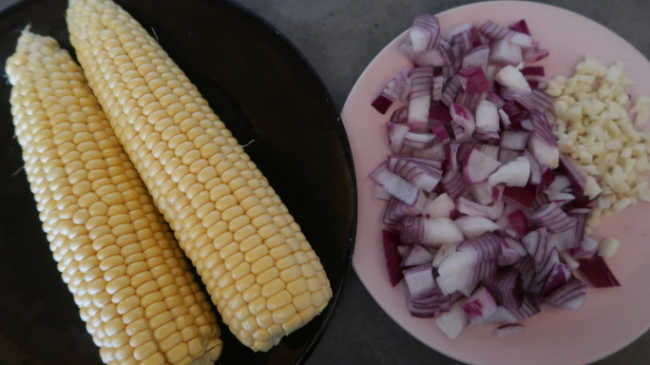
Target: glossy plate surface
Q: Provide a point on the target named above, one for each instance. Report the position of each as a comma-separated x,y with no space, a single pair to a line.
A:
610,318
265,92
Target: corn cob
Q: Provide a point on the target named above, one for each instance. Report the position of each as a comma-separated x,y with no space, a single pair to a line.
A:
126,273
260,271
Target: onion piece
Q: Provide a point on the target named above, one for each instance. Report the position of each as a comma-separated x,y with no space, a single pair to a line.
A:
396,210
395,89
511,252
515,140
576,175
479,306
451,90
418,255
559,275
536,76
482,193
440,207
569,296
535,168
524,196
473,79
422,174
554,218
501,316
494,31
393,258
478,166
506,53
544,255
536,100
478,56
421,79
453,183
504,286
462,121
395,185
520,26
419,280
424,32
430,231
513,173
396,134
453,322
546,154
511,78
519,222
487,117
468,207
597,272
473,226
473,261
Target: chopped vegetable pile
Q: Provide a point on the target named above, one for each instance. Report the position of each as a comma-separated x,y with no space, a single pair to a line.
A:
485,218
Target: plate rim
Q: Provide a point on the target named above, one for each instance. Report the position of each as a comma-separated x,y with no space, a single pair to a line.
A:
375,60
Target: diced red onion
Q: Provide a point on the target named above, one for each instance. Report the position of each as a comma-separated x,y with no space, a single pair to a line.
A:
503,285
520,26
536,76
511,78
577,176
468,207
519,222
568,296
453,183
535,169
430,231
379,193
473,80
534,53
473,261
478,166
395,185
559,275
554,218
424,33
440,207
546,154
462,121
418,255
512,173
393,259
515,140
452,88
542,127
500,316
396,134
475,226
597,272
506,53
396,210
535,100
494,31
477,57
419,280
453,322
395,89
545,256
524,196
479,306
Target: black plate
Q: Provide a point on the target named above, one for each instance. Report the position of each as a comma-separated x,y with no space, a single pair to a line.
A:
264,90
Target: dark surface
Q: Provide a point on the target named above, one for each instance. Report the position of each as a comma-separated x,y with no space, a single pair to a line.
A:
266,94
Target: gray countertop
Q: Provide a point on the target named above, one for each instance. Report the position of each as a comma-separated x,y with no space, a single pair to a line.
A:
339,38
